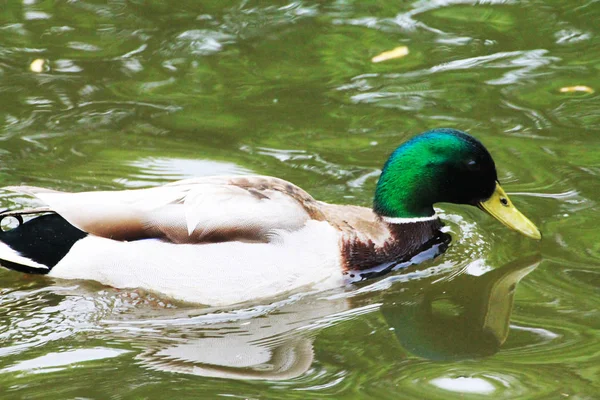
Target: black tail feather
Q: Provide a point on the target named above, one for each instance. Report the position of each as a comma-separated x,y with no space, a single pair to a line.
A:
45,240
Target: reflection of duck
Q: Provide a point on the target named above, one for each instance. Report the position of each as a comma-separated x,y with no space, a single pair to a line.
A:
274,346
224,358
228,240
465,317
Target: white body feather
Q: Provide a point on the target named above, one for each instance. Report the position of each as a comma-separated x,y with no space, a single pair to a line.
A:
216,274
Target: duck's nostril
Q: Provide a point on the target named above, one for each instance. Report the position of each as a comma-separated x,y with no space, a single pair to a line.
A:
504,201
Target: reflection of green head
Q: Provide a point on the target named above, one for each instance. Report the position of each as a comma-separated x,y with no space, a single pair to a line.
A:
465,317
441,165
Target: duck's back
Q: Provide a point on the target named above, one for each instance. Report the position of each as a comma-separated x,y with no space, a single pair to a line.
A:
201,210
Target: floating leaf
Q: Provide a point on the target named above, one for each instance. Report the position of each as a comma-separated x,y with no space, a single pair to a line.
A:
579,88
398,52
37,65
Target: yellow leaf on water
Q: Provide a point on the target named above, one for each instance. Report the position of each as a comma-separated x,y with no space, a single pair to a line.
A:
37,65
398,52
579,88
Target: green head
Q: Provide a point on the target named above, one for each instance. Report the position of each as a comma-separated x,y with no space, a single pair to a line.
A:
441,165
444,165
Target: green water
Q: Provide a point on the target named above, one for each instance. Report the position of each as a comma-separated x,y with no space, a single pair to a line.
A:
136,93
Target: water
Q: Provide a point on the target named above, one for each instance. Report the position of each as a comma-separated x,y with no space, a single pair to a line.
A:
134,93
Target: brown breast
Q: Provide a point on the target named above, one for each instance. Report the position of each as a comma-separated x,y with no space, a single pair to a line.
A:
367,241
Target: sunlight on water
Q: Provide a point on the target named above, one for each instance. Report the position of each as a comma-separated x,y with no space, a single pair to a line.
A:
53,362
155,171
464,385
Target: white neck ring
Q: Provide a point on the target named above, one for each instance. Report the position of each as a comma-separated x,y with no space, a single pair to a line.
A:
392,220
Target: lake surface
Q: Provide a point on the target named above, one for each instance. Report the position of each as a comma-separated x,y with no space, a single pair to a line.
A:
123,94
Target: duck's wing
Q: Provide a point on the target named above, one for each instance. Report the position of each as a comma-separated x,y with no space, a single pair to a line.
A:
211,209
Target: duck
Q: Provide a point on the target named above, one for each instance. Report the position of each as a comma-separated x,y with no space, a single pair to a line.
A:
227,240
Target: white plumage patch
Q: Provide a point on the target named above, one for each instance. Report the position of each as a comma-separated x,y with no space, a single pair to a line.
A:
217,274
161,239
9,254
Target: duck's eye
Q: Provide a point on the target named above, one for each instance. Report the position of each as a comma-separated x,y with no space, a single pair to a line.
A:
473,165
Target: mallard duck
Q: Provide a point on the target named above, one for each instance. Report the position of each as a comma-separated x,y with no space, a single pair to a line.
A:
223,240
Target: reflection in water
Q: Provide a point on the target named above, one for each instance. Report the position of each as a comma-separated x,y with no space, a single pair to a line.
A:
275,345
53,362
464,385
466,317
463,317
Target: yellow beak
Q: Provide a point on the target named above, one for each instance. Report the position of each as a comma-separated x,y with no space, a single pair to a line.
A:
500,207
